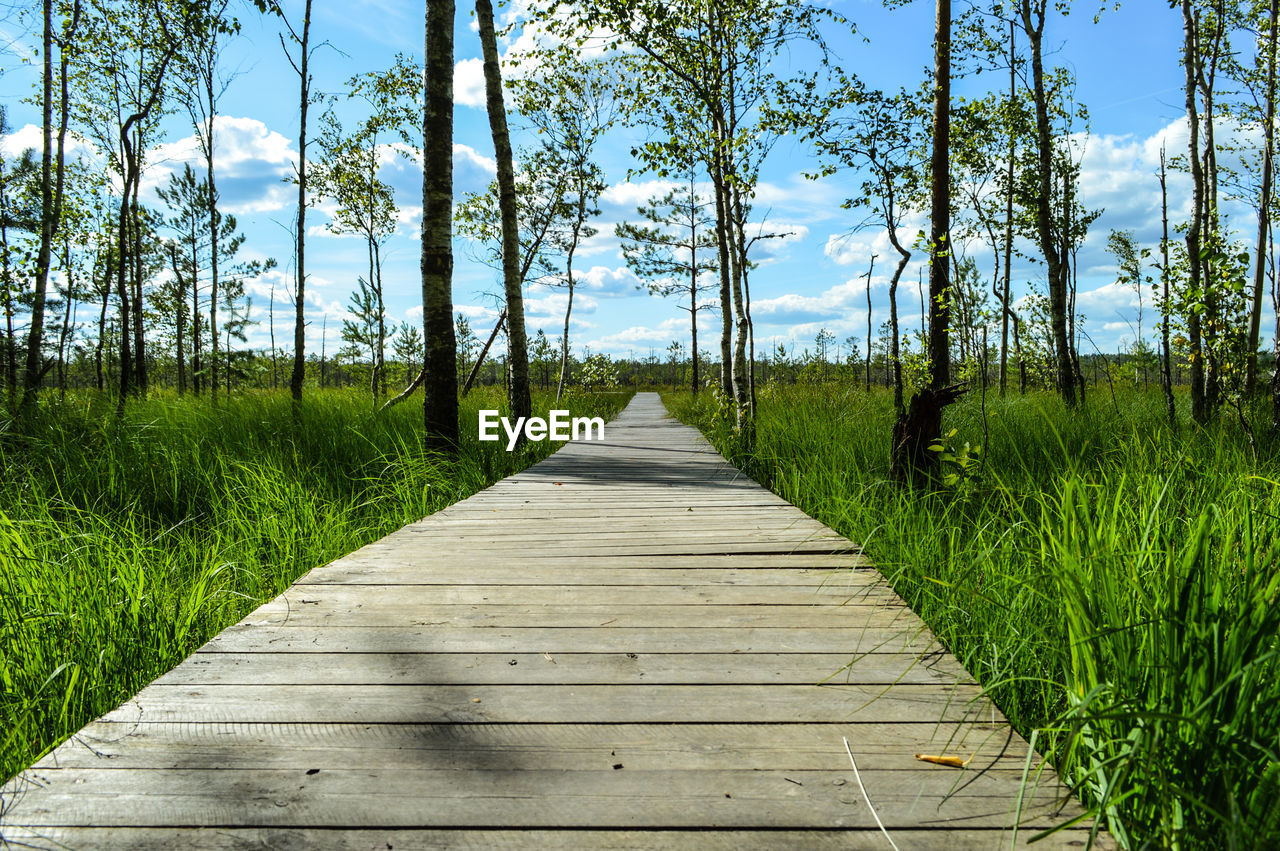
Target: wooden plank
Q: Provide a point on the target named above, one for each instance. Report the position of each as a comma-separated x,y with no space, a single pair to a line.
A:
446,639
569,563
550,747
608,533
396,613
533,797
593,573
869,592
341,839
515,552
552,704
582,668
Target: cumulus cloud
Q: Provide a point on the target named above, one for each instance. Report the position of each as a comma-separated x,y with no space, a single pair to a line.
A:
252,160
468,83
606,282
675,328
629,195
553,306
31,136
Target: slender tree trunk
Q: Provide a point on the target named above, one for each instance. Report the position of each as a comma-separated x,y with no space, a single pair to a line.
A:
140,377
1275,337
180,312
48,226
741,392
693,332
299,374
440,385
271,324
1199,408
122,294
751,340
568,309
940,205
1166,372
102,325
214,226
382,322
726,284
227,326
1033,25
1211,222
1069,267
871,269
1008,222
6,282
921,423
111,353
693,283
65,331
484,350
197,344
1264,204
744,391
894,354
513,284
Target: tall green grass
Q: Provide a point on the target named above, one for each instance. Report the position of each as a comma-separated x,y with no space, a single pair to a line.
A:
126,544
1114,585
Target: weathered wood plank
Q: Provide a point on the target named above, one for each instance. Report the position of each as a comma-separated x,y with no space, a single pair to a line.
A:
534,797
551,747
446,638
551,704
515,552
868,592
571,564
341,839
595,573
391,612
563,668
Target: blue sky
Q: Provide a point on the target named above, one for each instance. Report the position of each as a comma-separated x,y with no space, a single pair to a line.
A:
1127,74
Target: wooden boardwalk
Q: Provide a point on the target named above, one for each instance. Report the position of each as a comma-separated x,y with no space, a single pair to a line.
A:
627,645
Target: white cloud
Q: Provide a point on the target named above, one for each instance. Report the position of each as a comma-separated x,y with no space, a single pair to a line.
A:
630,195
676,328
606,282
468,156
553,306
468,83
252,162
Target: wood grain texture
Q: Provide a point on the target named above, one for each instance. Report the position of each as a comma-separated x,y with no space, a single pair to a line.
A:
629,645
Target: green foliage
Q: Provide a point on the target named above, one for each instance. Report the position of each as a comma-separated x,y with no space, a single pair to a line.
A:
676,249
1114,585
126,544
960,463
597,371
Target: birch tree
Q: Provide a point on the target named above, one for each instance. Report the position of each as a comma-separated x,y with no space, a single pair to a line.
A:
52,182
572,106
440,391
518,398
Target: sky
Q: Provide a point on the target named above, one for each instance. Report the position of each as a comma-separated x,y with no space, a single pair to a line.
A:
1127,72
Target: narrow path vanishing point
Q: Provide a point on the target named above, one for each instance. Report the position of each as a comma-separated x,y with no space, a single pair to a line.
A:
619,647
